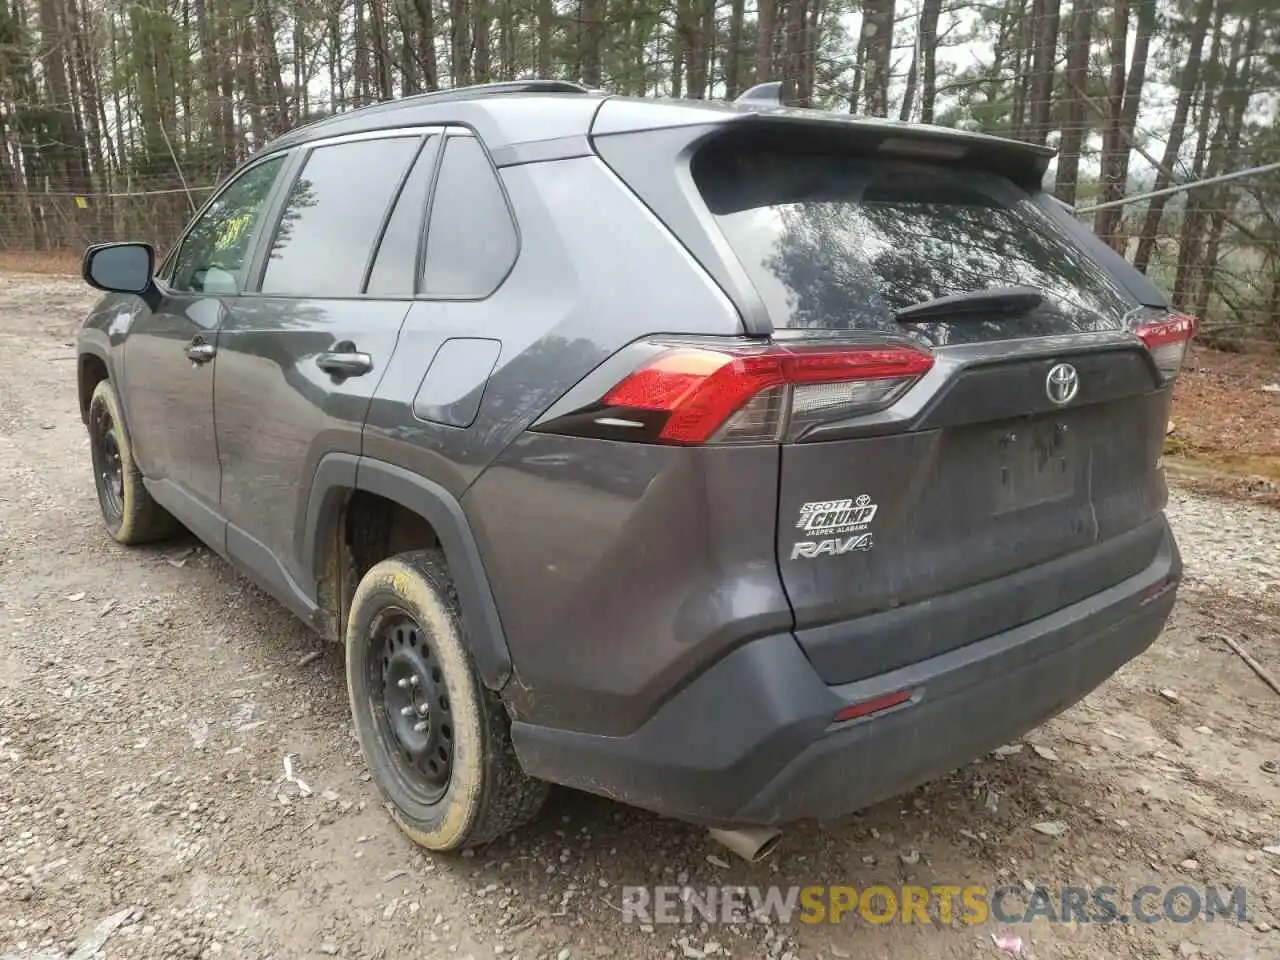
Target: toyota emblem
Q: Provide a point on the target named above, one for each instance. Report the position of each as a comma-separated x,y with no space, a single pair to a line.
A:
1062,384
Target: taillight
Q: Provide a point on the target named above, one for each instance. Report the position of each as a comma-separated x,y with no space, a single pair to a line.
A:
1167,340
696,395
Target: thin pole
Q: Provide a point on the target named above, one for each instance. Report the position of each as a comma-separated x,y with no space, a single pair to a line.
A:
1182,187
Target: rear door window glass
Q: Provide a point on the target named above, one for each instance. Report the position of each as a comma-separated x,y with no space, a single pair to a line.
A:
332,217
836,242
395,268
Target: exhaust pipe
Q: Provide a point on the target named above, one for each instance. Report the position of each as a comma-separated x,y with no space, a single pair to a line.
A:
750,843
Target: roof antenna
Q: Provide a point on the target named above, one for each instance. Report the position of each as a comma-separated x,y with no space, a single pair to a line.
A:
763,93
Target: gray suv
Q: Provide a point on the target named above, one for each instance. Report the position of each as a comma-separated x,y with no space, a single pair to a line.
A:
741,463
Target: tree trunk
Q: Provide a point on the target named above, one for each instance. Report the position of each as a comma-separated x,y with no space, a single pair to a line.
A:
483,72
1043,71
733,83
859,71
1190,78
1023,38
459,42
508,26
383,83
877,42
796,18
249,84
695,77
1124,94
929,12
427,45
546,18
1073,114
590,41
66,146
913,78
90,90
812,37
272,80
1214,92
1225,156
766,13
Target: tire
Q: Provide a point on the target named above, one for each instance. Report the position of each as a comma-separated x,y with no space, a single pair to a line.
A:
128,511
449,773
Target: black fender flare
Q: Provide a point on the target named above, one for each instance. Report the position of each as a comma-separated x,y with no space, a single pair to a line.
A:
90,346
338,474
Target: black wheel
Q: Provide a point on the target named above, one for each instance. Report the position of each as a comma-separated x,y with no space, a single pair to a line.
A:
128,511
437,742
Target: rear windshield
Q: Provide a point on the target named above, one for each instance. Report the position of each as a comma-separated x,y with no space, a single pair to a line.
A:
839,242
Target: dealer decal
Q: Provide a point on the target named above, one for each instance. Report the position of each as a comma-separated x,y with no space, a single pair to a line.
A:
836,526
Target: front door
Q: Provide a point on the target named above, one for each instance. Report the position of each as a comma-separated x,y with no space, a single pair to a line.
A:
171,353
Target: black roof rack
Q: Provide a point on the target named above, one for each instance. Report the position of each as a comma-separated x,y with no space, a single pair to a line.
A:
478,90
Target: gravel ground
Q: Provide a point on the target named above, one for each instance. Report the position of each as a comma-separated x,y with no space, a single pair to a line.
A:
148,697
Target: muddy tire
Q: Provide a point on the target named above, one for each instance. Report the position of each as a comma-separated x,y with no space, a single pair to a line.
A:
128,511
437,742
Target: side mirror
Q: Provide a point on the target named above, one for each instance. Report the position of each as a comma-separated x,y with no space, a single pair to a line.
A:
119,267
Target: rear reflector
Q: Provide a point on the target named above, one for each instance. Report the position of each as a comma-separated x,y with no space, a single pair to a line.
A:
875,705
695,395
1167,340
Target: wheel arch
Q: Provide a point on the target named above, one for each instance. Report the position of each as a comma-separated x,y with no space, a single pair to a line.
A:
338,481
92,367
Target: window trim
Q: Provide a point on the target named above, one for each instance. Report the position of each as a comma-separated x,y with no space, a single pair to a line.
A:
459,132
433,141
253,288
163,277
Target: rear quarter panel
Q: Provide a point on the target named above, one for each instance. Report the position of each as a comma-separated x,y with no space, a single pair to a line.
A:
595,272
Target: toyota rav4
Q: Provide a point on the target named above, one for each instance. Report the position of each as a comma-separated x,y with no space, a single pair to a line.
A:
741,463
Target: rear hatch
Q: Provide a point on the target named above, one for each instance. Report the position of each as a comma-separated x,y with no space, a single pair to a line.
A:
1018,473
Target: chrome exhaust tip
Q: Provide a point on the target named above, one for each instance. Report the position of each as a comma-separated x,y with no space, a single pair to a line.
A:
752,844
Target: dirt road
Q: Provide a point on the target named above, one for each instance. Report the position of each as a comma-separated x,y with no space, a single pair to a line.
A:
147,698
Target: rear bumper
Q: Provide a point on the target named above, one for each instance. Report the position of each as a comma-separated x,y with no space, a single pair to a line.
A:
751,740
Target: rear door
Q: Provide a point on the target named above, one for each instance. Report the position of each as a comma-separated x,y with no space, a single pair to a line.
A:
1020,474
427,415
299,357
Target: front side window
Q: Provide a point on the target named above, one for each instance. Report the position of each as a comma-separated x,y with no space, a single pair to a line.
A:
213,253
332,217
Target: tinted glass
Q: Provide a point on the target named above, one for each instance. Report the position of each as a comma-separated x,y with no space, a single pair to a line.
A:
394,268
212,256
841,242
471,240
332,217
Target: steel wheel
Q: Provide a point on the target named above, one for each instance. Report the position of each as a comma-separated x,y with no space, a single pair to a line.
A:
108,465
412,705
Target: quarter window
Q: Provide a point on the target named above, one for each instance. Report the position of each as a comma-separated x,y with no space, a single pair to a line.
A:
471,239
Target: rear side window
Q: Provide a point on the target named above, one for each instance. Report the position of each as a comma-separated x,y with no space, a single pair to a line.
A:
332,217
839,242
471,239
395,268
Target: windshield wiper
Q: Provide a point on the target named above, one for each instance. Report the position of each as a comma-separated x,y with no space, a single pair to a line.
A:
992,300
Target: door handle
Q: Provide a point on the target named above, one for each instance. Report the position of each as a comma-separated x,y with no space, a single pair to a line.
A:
345,363
200,352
